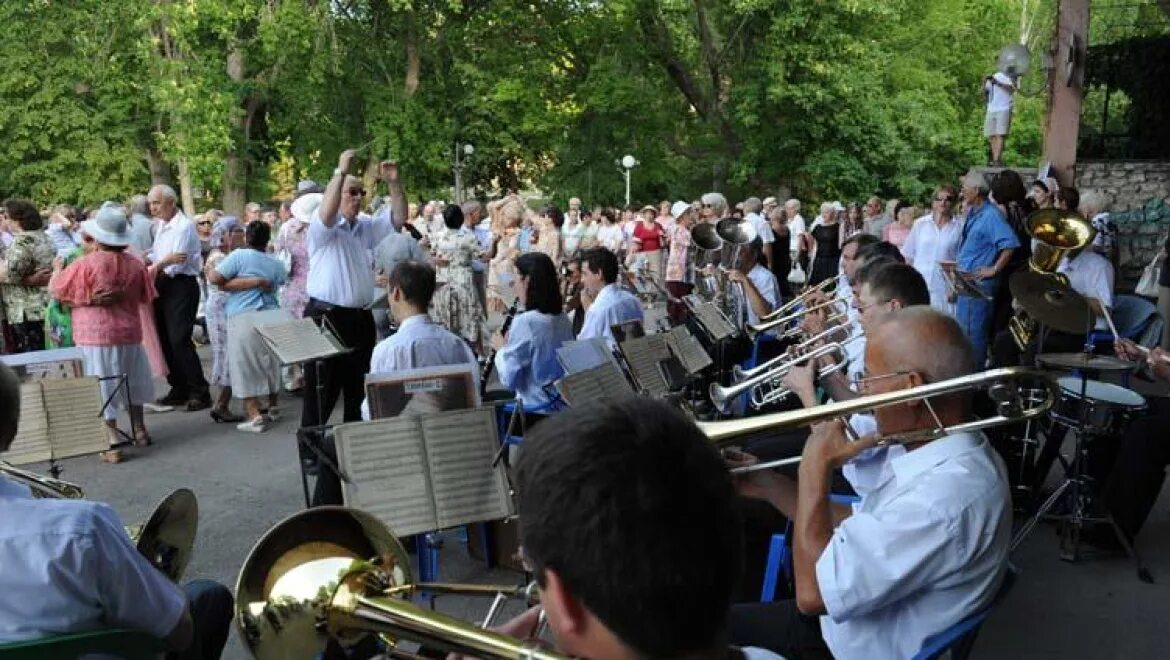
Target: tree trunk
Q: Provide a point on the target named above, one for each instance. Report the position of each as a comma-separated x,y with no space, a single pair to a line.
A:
185,191
160,169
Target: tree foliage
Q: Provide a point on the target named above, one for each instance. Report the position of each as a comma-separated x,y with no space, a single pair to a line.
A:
238,98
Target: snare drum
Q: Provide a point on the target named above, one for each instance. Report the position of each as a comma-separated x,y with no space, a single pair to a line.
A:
1109,406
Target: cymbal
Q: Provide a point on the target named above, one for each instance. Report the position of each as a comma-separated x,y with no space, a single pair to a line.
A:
1051,302
1085,362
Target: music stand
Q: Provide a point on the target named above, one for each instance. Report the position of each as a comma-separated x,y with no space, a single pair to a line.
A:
301,342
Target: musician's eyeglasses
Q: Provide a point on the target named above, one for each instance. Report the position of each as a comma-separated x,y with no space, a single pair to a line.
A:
861,308
864,380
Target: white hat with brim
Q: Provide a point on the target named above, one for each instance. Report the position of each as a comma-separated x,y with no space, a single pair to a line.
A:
305,206
108,228
679,208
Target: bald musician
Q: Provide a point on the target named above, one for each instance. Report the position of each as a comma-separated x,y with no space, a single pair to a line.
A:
68,566
926,547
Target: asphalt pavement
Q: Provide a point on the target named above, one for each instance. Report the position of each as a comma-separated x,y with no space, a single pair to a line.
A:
246,483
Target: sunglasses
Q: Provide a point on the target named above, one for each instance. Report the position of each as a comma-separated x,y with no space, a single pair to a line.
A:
942,199
355,192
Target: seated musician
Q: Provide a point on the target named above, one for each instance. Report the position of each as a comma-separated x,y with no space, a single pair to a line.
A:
68,566
1089,274
760,290
925,548
1131,488
418,343
628,523
606,303
526,359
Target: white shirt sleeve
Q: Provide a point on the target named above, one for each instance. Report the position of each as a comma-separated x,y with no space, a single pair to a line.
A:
132,592
514,360
910,246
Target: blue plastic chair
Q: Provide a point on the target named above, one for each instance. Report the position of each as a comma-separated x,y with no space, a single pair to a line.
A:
1131,314
127,644
959,639
779,559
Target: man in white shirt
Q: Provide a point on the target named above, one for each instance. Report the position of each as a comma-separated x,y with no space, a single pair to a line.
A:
611,305
418,343
1000,89
922,550
752,208
341,284
67,566
176,253
759,288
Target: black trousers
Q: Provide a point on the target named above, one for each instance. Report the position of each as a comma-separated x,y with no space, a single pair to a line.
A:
28,336
1132,486
779,627
174,315
345,374
211,614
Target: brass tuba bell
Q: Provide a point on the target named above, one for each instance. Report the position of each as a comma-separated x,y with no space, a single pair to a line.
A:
1054,234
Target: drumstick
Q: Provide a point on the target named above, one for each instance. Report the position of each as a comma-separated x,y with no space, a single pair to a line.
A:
1146,352
1109,320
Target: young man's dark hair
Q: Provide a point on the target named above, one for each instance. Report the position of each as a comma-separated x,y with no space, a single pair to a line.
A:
256,235
23,213
879,250
554,214
862,240
632,509
453,216
416,280
601,260
895,281
543,293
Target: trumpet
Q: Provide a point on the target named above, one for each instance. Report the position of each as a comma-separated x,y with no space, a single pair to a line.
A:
330,577
780,321
800,299
765,381
167,537
1004,387
837,319
808,344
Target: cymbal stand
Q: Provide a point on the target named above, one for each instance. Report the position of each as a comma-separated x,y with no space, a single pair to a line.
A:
1077,491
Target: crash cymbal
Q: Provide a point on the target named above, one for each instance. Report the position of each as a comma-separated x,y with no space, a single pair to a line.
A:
1051,302
1084,362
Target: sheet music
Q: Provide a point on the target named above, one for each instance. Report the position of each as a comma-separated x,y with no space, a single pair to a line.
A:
31,444
643,355
387,464
578,356
73,407
602,381
299,341
688,350
460,447
714,321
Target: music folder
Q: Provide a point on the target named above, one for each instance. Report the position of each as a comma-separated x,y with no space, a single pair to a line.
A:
59,418
301,340
599,382
422,473
690,353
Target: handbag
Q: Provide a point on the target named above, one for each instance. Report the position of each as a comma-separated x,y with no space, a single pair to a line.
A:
1148,285
286,259
796,275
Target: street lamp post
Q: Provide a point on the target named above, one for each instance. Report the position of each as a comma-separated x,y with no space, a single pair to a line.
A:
465,150
628,163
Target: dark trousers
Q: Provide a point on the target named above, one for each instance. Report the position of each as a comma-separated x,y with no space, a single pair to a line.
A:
344,374
28,336
779,627
677,311
174,315
1133,485
781,265
327,489
211,613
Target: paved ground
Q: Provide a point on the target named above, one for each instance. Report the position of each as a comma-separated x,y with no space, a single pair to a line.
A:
246,483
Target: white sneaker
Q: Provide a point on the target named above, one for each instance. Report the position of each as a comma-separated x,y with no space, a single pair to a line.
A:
254,425
155,408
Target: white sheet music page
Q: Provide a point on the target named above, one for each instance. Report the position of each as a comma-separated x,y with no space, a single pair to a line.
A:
578,356
298,341
644,354
387,464
688,350
31,444
602,381
460,447
74,410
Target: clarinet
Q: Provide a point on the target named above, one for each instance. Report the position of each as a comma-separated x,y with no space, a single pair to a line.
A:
491,359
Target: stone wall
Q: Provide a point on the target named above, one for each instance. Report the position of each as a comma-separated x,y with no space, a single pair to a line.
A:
1141,208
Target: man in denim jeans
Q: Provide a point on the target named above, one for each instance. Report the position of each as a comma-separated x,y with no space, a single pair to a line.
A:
986,248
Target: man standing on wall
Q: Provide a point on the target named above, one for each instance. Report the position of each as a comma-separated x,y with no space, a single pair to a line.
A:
1000,89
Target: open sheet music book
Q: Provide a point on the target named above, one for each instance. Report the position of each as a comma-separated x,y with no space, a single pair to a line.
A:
604,380
644,355
59,418
690,353
578,356
300,341
423,473
710,317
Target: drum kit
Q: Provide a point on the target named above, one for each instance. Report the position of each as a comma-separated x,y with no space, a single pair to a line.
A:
1095,411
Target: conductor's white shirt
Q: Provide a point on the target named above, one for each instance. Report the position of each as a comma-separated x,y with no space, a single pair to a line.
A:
340,268
925,548
67,566
613,305
1090,275
418,343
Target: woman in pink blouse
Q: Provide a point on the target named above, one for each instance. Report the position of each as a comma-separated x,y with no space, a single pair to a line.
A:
105,289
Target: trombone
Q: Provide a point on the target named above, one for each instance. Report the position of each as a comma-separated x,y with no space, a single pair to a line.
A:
800,299
330,577
165,540
1004,386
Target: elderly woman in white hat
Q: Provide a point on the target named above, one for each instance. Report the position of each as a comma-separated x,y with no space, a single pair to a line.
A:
291,248
105,289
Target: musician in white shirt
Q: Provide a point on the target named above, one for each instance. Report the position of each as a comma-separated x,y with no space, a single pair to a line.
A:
418,343
922,550
760,290
611,305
